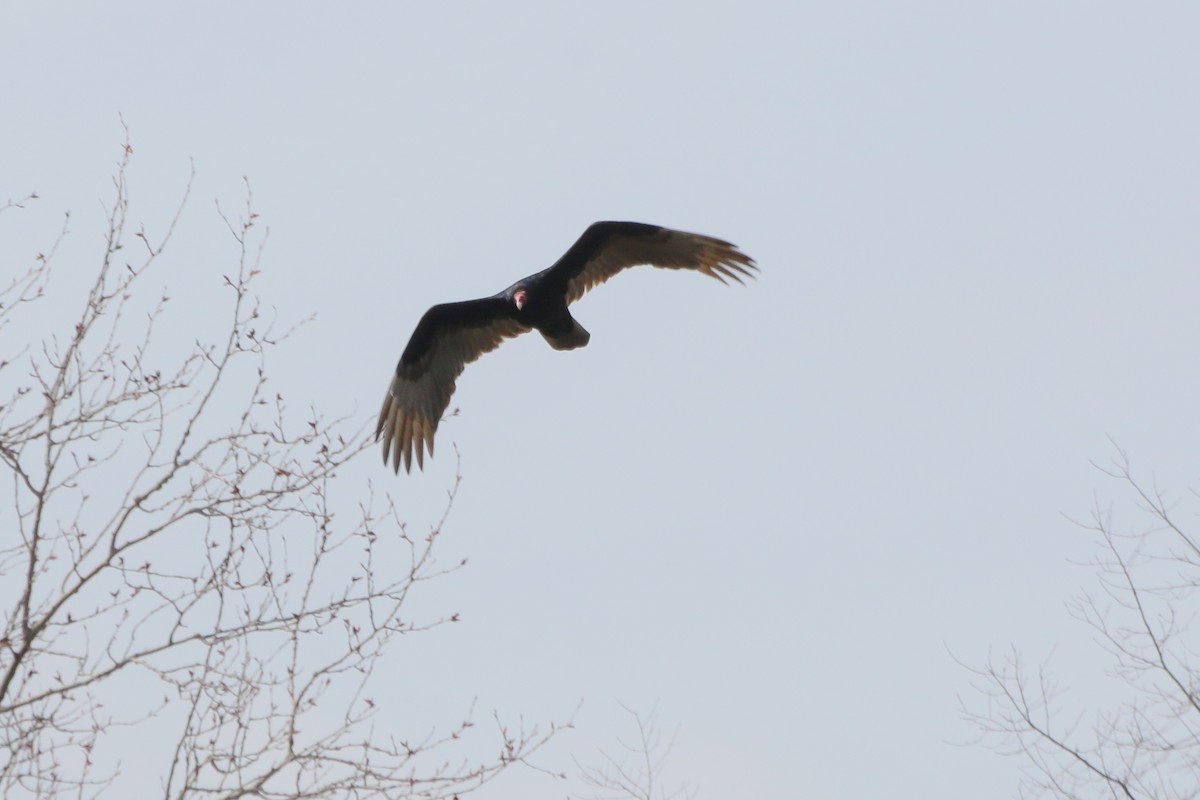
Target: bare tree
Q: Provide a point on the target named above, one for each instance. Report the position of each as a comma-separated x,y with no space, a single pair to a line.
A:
1141,738
173,576
633,770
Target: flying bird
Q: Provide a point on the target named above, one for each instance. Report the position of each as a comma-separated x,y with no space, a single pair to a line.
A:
452,335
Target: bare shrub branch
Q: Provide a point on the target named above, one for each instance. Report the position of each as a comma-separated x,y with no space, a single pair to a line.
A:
173,560
634,770
1142,739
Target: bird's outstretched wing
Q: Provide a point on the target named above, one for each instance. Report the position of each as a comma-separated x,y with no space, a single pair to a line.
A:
606,248
447,338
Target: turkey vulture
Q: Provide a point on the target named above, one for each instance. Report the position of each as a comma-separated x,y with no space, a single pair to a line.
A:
452,335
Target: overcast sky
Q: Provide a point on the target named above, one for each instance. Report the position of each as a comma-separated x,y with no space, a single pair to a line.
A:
775,511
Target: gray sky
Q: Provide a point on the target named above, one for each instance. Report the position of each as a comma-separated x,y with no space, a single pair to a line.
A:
776,510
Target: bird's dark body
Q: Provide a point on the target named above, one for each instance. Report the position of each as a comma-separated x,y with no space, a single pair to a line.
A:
451,335
545,310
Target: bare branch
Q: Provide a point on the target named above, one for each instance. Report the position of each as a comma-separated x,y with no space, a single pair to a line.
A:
1142,738
173,524
633,771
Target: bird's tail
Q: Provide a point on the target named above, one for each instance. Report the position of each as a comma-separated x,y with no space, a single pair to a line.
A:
567,334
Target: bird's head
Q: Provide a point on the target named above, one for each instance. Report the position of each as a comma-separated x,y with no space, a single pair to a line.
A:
519,297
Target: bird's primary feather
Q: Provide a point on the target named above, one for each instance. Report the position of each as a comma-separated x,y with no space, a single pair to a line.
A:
452,335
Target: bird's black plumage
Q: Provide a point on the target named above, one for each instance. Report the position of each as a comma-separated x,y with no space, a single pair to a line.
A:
452,335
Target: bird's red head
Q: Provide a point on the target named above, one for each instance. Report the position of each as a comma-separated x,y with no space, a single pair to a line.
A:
519,298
